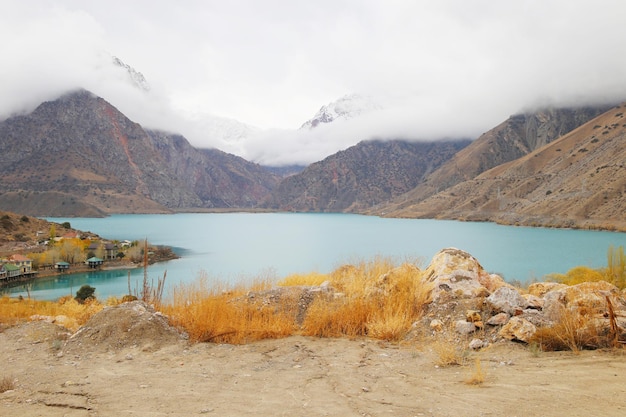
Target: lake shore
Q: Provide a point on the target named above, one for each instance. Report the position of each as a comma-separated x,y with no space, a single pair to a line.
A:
163,254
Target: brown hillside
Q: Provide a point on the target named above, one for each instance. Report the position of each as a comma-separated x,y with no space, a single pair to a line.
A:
363,175
23,233
79,156
576,181
512,139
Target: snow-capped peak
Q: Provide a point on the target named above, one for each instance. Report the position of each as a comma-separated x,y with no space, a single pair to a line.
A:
135,76
347,107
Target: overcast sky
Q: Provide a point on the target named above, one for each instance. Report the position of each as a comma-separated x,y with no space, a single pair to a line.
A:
441,68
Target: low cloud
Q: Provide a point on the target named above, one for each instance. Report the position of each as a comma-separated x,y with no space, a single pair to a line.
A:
442,69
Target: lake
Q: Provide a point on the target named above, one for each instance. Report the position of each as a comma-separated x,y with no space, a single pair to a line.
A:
234,247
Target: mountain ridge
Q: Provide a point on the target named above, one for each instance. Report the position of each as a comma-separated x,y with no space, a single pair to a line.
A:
91,158
576,180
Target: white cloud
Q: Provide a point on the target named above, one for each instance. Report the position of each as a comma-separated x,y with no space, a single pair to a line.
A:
446,68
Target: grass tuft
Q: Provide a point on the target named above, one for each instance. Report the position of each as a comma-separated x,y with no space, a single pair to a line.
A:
7,384
477,377
448,353
572,331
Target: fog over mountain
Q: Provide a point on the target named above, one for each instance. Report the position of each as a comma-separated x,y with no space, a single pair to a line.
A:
244,76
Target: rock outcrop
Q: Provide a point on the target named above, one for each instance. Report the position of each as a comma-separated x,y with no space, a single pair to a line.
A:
465,296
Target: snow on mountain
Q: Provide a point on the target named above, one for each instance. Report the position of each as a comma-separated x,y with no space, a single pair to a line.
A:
135,76
347,107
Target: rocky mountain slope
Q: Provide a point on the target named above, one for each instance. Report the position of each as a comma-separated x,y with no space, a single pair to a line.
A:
363,175
79,155
575,181
512,139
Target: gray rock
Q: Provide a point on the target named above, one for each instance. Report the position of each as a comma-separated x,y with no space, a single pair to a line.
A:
506,300
464,327
476,344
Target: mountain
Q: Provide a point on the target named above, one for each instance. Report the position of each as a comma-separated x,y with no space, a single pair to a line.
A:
79,155
512,139
361,176
218,179
576,180
135,77
345,108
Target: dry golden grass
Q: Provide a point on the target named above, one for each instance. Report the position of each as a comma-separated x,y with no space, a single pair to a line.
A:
448,353
6,384
572,331
216,313
313,278
14,310
477,377
376,300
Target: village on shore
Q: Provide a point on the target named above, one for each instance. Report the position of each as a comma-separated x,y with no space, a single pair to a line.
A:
75,252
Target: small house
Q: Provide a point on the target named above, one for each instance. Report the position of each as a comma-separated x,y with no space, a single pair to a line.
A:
110,250
94,262
24,264
61,266
13,271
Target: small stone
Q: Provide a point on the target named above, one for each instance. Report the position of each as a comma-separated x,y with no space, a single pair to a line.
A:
436,325
499,319
476,344
464,327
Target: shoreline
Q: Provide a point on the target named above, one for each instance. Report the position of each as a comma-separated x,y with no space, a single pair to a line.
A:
43,274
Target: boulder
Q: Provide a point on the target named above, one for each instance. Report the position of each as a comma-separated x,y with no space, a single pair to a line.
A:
534,301
492,282
518,329
506,300
585,298
539,289
457,274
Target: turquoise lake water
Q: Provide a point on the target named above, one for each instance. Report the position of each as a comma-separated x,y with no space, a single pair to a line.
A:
237,247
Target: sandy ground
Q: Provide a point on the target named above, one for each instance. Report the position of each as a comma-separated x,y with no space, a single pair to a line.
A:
300,376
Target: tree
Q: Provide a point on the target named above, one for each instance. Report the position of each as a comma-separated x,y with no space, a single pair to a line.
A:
85,293
71,250
53,234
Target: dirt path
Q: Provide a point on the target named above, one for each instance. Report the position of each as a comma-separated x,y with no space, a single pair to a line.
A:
300,376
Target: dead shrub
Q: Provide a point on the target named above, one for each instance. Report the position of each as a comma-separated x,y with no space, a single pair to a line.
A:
571,331
448,353
477,377
7,384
